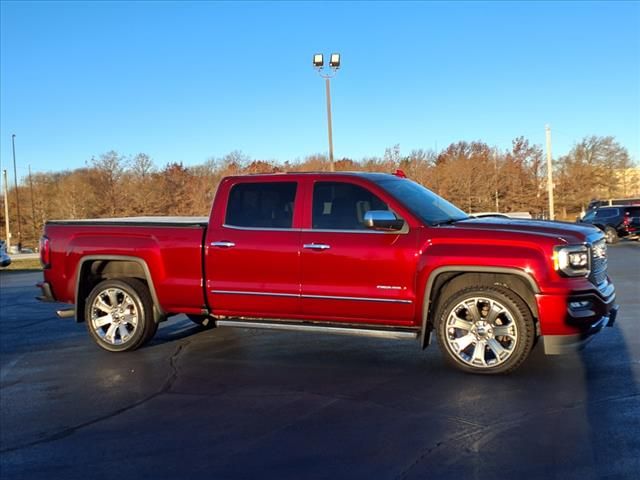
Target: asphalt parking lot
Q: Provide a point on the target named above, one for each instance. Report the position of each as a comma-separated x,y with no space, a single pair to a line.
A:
233,403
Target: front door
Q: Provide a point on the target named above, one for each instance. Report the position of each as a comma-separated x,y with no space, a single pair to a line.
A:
252,257
350,273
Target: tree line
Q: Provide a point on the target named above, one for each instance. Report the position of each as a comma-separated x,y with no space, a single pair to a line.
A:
473,175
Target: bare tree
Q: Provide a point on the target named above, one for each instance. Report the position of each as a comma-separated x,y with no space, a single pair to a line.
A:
106,180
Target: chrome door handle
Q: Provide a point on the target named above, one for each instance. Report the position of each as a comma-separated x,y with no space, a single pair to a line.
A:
223,244
316,246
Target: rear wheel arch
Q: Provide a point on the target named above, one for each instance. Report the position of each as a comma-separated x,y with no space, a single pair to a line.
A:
445,280
95,268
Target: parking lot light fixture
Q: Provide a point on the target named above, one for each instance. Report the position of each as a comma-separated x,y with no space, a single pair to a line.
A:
318,60
334,61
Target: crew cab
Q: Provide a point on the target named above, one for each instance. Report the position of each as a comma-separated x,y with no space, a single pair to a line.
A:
348,253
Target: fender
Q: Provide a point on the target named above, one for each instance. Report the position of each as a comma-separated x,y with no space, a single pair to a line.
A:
425,337
159,313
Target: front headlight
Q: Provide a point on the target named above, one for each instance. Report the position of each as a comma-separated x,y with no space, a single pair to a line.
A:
572,260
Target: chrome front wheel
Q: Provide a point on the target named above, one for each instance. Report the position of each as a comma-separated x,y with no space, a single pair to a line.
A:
485,329
481,332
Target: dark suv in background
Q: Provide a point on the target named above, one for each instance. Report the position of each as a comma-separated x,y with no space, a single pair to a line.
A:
615,221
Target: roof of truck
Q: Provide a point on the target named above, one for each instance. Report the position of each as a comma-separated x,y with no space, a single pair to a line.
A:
369,175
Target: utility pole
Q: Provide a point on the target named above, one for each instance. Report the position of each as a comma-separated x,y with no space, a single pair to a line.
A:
328,88
6,209
33,209
495,158
552,215
15,179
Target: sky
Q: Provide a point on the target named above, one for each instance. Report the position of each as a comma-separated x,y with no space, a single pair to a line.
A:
187,81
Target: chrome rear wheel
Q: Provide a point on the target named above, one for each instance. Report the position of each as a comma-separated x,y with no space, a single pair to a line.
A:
114,316
119,314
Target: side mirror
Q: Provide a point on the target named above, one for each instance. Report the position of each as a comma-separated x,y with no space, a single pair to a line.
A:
382,220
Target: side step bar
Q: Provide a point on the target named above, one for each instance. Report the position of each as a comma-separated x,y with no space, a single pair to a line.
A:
66,313
322,328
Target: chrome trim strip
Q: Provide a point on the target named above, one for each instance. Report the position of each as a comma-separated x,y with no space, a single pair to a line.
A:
261,294
309,230
364,332
316,297
360,299
329,230
261,229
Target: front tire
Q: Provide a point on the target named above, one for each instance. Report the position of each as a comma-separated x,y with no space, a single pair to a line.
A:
485,329
119,314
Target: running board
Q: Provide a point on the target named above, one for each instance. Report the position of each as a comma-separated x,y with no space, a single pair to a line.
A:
323,328
69,313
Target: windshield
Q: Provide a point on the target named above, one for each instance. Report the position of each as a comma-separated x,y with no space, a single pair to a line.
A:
422,202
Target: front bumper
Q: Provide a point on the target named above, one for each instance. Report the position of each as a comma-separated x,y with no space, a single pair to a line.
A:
561,344
568,322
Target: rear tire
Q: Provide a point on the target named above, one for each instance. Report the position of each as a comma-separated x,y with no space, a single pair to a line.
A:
610,235
485,329
119,314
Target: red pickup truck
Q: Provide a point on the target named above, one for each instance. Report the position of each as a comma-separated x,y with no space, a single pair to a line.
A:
349,253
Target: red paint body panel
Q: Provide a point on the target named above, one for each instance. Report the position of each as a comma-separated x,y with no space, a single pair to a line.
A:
172,254
363,277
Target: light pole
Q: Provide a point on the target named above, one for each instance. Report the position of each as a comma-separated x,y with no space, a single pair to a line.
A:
6,209
552,215
15,179
334,64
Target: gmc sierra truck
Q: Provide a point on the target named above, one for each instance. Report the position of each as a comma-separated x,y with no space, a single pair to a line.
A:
348,253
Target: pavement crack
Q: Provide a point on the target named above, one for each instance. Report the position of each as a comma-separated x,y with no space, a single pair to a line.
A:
166,387
431,449
481,434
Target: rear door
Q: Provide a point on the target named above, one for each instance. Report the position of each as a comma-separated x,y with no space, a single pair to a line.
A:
350,273
252,262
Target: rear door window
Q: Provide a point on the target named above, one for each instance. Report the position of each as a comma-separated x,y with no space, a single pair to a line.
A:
261,205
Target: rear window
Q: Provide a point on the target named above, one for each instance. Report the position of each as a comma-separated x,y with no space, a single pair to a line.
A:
261,205
632,211
607,212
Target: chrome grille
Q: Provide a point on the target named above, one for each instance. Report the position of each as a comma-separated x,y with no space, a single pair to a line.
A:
598,262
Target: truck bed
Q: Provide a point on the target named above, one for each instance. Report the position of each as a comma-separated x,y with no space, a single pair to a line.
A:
170,248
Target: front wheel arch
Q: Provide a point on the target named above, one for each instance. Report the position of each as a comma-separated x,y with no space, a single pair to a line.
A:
455,277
